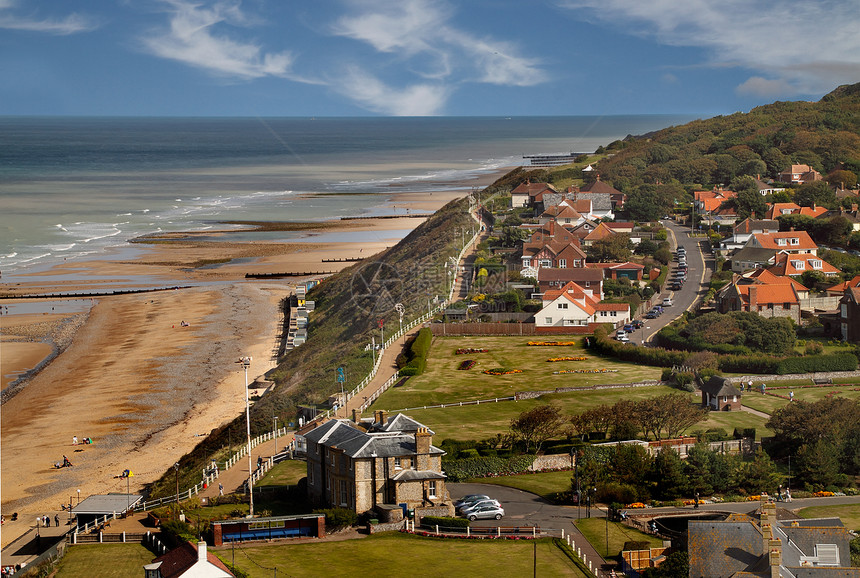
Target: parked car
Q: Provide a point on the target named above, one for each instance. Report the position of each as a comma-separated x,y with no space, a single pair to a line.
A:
651,315
486,513
622,337
629,328
675,287
478,505
470,499
637,323
667,302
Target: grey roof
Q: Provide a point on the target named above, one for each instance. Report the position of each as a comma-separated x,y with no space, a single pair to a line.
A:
415,475
574,274
402,423
754,254
717,385
343,435
553,199
599,201
106,504
720,549
801,540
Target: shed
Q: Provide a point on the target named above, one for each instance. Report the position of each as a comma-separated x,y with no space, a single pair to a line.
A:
719,394
106,505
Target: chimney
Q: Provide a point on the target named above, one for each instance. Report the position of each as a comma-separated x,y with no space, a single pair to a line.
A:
422,448
379,416
201,552
775,555
753,298
552,228
752,215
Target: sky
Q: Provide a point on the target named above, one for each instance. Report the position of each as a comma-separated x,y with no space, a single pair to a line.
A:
421,57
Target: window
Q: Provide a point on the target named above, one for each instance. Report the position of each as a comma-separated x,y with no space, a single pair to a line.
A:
545,263
431,489
588,284
816,264
799,265
734,398
548,320
527,262
603,313
562,305
397,464
342,493
577,262
786,306
562,263
794,241
780,242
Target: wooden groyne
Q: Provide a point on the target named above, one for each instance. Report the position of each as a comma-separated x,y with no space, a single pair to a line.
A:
343,260
276,275
70,294
409,216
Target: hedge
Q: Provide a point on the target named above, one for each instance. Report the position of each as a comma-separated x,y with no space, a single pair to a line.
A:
443,522
338,517
644,355
811,363
417,353
460,470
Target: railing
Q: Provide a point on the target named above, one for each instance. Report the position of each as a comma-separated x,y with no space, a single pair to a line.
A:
457,404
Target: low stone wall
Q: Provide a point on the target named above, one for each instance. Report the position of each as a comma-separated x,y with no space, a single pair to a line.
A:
552,462
834,375
537,393
392,527
439,511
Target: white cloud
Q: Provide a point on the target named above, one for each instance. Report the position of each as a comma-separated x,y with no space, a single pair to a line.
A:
788,42
374,95
196,37
70,24
419,33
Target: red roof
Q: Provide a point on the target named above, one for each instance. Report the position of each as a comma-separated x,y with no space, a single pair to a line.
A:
180,559
786,240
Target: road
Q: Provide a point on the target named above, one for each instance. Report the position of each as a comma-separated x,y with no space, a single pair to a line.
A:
701,267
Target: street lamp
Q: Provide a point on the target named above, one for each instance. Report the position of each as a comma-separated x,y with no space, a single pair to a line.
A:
400,310
176,510
79,497
246,362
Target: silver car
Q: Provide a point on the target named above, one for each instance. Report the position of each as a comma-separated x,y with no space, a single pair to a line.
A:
469,507
486,512
469,500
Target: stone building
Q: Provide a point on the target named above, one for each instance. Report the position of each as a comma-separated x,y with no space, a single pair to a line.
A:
719,394
380,464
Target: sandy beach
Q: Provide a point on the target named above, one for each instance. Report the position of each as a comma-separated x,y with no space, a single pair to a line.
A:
131,376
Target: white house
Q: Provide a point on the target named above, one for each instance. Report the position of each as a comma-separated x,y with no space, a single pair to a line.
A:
571,306
188,562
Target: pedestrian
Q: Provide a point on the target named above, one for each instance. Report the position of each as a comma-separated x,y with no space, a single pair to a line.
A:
696,505
259,461
779,493
74,440
787,495
57,520
790,396
220,489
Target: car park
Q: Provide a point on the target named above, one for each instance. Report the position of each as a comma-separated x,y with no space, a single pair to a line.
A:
486,513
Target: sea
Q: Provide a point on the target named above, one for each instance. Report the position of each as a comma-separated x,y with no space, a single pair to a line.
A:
77,187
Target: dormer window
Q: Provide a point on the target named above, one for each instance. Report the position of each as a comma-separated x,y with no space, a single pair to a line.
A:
780,242
798,265
816,264
397,464
794,241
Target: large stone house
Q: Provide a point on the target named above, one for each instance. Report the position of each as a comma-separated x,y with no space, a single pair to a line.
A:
776,300
551,246
389,463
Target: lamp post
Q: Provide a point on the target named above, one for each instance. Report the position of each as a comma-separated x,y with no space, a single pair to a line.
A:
400,310
275,432
176,510
246,362
79,497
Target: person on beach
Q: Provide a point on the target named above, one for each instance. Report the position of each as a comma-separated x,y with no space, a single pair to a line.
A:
74,440
220,489
57,520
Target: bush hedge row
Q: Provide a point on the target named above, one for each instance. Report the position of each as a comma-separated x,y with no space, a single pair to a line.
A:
443,522
810,363
460,470
417,353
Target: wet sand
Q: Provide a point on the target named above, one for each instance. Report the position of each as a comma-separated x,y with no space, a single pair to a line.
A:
143,386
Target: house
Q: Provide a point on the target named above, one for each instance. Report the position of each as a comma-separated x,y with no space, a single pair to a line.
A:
799,174
814,211
852,216
605,230
839,289
563,213
787,241
591,280
763,545
750,226
551,246
632,271
765,188
719,394
616,197
387,463
530,194
777,209
749,258
786,264
711,201
849,314
187,561
572,306
777,300
768,278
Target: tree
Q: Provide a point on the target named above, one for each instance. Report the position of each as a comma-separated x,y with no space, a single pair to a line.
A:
617,247
649,202
676,565
748,199
842,179
815,193
536,425
667,474
681,413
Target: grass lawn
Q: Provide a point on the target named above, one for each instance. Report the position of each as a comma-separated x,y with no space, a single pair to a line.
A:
848,513
442,382
403,554
286,473
106,560
546,484
765,403
594,530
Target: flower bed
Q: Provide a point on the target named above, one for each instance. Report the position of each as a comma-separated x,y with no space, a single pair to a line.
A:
502,371
468,350
552,343
569,358
601,370
467,364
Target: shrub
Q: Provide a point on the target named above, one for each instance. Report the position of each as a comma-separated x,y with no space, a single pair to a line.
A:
338,517
482,467
443,522
812,363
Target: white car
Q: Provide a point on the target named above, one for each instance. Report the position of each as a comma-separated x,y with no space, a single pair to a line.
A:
667,302
486,512
622,337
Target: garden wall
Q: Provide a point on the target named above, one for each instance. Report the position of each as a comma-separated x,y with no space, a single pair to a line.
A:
552,462
833,375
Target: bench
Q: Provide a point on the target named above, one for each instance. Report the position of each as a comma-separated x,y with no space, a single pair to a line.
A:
822,380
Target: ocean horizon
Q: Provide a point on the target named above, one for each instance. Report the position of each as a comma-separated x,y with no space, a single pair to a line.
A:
72,187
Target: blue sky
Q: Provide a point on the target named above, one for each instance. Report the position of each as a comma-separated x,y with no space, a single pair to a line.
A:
421,57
